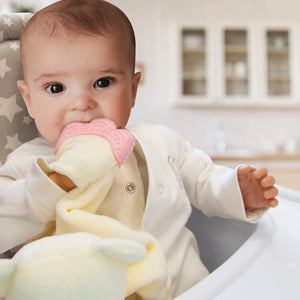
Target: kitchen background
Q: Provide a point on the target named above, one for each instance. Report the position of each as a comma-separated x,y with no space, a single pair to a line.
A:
225,73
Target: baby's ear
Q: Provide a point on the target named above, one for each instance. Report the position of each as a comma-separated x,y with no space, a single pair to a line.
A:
126,251
25,94
135,84
7,266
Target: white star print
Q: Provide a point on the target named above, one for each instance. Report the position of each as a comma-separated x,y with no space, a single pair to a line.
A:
1,36
7,22
14,46
23,16
27,120
3,67
12,142
9,107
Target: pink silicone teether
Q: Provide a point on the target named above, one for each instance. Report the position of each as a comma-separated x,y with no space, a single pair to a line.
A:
121,140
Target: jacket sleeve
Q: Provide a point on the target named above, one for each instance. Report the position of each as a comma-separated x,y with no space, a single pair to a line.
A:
211,188
27,198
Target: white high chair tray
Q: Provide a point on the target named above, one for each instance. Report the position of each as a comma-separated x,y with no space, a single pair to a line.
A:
266,266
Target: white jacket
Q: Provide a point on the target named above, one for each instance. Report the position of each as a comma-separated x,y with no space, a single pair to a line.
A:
179,176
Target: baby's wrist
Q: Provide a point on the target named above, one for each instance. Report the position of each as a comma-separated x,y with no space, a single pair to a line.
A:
62,181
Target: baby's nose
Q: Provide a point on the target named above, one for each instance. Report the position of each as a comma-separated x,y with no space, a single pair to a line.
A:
83,103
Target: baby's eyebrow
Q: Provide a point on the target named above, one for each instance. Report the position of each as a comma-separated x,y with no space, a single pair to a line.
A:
63,74
49,75
112,71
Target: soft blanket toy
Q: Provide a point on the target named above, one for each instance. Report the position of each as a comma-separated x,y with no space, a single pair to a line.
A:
69,267
90,155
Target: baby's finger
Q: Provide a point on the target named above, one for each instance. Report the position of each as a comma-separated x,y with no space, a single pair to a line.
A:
268,181
261,173
244,170
272,202
270,193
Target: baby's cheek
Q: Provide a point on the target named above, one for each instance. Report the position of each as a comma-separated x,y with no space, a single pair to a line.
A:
50,133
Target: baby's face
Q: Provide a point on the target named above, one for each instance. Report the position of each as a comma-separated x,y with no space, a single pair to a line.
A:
76,79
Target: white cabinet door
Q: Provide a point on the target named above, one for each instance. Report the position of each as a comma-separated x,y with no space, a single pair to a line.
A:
234,64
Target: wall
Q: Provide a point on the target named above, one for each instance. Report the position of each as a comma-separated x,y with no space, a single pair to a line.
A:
257,129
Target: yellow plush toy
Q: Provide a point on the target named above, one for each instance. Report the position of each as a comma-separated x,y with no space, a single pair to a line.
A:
88,256
69,267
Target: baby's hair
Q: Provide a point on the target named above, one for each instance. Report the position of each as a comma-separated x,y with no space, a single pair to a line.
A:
91,17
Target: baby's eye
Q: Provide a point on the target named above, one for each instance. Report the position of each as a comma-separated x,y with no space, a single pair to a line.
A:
103,82
55,88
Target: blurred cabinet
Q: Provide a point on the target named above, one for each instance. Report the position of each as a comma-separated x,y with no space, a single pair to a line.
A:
194,62
223,65
236,62
278,59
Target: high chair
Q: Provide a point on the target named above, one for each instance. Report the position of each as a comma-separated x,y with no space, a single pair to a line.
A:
246,261
16,127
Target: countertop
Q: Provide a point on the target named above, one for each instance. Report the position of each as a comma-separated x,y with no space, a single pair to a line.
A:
284,167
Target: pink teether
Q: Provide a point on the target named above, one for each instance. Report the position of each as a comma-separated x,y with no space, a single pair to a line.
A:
121,140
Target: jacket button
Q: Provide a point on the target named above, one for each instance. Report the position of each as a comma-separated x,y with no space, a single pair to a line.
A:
160,189
130,188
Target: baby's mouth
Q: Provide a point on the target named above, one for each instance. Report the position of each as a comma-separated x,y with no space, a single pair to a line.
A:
83,120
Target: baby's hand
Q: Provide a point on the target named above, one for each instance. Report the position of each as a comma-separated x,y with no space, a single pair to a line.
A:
87,151
257,187
62,181
120,140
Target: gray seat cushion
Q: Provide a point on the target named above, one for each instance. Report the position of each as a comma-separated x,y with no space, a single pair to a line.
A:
16,127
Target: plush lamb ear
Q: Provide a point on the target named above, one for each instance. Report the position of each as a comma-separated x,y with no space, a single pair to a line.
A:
7,266
125,250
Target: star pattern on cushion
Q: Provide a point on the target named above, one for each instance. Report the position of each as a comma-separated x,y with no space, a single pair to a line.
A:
12,142
16,126
27,120
4,68
14,46
7,21
5,107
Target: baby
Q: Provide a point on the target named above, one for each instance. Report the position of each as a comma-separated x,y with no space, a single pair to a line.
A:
78,61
